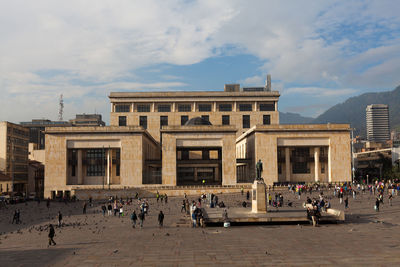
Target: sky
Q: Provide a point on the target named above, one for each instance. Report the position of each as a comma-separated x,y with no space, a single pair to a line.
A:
319,53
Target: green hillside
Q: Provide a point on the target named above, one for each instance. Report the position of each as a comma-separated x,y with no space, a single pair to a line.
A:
353,110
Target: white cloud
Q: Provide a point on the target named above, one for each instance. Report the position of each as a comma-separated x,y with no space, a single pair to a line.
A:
319,92
84,49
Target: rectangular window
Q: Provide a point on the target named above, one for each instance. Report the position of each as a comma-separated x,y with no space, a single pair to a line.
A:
204,107
225,120
246,121
184,119
123,108
164,108
73,171
225,107
266,119
122,120
184,108
163,121
95,162
143,121
267,107
245,107
299,160
205,117
143,108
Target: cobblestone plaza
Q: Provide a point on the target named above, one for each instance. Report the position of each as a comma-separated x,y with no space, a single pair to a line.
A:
366,238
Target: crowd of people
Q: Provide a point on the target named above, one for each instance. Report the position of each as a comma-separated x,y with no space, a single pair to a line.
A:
317,199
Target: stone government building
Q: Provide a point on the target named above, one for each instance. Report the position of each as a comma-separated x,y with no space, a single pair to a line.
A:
169,139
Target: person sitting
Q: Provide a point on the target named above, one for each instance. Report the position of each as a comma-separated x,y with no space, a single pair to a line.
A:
221,204
244,204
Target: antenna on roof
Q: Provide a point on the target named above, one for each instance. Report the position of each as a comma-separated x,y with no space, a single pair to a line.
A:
61,110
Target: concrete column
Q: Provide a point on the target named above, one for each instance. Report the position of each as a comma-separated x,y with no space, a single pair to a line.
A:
153,107
80,177
215,106
132,109
316,163
287,164
173,107
255,105
329,165
108,166
194,107
234,106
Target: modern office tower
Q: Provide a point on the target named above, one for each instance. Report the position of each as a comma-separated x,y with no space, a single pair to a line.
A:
14,156
378,129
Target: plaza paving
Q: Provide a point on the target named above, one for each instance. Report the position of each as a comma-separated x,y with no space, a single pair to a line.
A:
367,238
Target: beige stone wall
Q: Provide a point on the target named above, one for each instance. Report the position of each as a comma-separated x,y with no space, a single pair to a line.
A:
131,161
227,141
174,118
168,172
339,157
56,164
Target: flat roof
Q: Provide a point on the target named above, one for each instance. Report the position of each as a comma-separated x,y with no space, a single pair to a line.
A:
329,127
178,94
99,130
199,128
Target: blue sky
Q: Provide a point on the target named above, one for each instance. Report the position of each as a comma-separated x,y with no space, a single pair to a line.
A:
319,53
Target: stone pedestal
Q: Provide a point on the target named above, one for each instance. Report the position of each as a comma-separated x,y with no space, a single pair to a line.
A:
258,203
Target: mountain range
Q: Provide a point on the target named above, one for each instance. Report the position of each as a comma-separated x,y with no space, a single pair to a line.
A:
352,111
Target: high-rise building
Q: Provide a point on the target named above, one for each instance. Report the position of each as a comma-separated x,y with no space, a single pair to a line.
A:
36,130
378,129
14,156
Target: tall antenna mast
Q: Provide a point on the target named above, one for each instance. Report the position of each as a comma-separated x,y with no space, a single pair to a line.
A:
61,110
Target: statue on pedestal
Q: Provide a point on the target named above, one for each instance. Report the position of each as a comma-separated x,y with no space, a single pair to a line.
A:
259,169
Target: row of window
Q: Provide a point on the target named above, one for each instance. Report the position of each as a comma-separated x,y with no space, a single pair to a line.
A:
188,107
184,119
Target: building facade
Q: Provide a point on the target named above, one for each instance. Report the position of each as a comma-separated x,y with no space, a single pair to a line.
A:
295,153
154,110
377,117
173,139
97,157
14,155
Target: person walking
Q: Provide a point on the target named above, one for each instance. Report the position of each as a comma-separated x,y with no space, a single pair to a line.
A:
103,209
346,203
15,216
247,195
48,203
141,218
51,235
60,217
166,198
390,197
84,207
109,209
133,219
377,202
183,207
160,218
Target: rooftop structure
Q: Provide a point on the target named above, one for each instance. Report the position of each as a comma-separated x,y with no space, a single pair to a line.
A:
87,120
